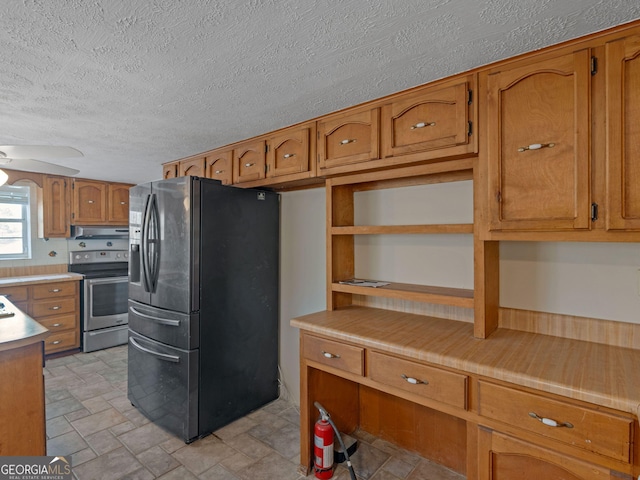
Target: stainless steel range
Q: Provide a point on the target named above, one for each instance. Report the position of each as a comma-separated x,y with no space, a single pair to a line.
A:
104,296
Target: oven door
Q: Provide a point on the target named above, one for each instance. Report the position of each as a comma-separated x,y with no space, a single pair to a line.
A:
105,302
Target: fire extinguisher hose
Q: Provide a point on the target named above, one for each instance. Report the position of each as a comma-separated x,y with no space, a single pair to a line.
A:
326,415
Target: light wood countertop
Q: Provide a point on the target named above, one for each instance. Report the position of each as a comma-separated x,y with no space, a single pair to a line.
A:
19,330
601,374
36,279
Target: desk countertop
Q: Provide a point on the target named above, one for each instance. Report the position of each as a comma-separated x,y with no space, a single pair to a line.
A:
19,330
601,374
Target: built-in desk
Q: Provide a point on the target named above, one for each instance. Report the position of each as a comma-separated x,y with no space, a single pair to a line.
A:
22,411
428,385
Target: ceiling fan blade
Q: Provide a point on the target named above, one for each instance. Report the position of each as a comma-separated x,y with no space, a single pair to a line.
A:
30,165
39,151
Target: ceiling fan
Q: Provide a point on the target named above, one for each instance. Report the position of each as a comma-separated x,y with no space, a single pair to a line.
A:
23,157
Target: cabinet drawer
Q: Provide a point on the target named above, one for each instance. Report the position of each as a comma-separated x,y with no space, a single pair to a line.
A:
56,306
592,430
57,342
53,290
334,354
437,384
60,322
15,294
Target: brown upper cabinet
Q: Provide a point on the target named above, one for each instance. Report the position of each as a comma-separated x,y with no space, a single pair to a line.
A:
170,170
623,131
219,166
55,218
538,144
100,203
429,122
249,161
348,138
193,167
289,152
118,203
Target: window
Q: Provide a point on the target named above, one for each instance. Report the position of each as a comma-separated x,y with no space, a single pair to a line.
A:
15,235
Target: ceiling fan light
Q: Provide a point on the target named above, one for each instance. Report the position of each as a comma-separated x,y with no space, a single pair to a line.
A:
3,178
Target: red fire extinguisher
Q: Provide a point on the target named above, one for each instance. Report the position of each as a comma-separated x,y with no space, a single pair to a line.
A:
323,447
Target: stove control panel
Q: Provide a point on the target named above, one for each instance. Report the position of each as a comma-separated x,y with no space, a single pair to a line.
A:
98,256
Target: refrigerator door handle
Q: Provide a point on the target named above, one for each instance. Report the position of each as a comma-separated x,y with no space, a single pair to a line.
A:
154,242
144,245
161,356
163,321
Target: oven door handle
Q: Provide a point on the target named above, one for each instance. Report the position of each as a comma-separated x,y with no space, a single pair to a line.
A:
163,321
161,356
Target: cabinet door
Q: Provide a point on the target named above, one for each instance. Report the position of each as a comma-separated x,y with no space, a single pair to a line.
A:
538,148
249,162
89,202
505,458
220,167
56,207
623,131
118,204
288,153
170,170
348,138
426,119
193,167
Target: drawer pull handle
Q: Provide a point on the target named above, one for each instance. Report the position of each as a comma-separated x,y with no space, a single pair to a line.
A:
218,172
123,203
249,165
56,325
90,201
423,124
414,381
536,146
55,290
57,307
550,422
330,355
56,342
346,141
289,155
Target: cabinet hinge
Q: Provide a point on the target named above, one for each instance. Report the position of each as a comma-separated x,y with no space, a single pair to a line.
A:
594,212
594,65
470,97
470,129
266,148
266,168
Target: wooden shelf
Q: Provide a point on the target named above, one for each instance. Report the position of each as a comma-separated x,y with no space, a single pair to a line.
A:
458,297
403,229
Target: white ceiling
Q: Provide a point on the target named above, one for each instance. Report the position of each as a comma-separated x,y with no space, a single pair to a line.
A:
135,83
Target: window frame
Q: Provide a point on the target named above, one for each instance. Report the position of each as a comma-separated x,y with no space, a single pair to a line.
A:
18,195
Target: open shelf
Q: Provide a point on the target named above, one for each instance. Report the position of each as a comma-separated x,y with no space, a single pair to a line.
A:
458,297
403,229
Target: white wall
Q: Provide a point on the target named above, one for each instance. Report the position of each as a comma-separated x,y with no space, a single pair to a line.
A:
598,280
302,275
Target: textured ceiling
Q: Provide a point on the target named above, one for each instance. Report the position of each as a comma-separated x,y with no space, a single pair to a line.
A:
135,83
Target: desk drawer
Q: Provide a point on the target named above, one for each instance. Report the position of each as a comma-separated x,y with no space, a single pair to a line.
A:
56,306
53,290
15,294
431,382
334,354
57,342
592,430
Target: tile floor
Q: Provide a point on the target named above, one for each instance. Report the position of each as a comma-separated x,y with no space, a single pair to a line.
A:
90,418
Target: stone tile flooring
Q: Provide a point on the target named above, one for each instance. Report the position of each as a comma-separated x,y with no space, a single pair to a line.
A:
90,418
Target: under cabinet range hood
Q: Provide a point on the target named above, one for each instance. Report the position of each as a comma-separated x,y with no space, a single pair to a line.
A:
99,232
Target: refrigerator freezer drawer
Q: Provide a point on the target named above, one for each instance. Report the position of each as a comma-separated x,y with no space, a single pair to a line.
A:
173,328
163,385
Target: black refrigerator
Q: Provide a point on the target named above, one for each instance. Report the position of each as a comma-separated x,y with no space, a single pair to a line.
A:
203,303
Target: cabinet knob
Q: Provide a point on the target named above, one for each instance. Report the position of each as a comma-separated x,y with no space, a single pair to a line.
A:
123,203
347,141
550,422
330,355
536,146
414,381
249,164
289,155
423,124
